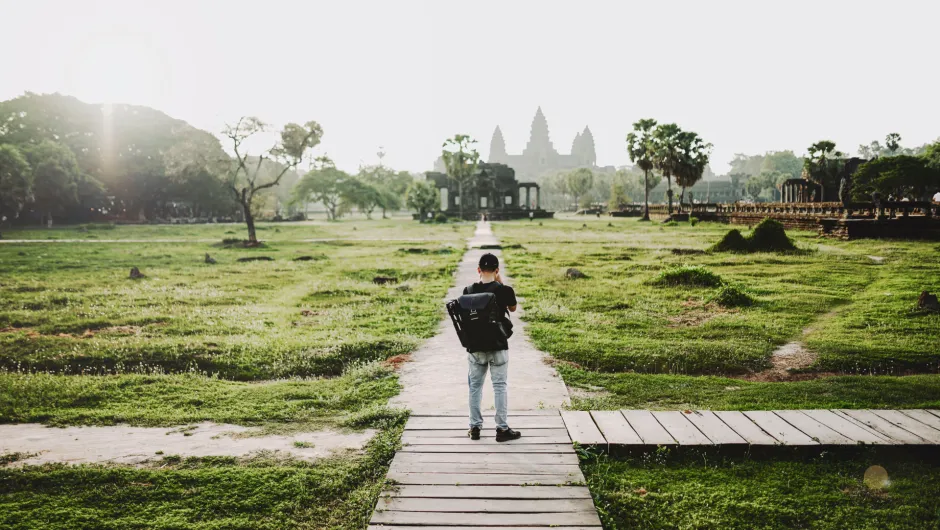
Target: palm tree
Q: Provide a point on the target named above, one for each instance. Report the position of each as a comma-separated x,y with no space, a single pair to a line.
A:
667,155
823,165
641,151
693,157
461,160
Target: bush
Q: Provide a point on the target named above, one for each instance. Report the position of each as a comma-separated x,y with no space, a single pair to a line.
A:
693,275
768,236
693,221
440,218
732,296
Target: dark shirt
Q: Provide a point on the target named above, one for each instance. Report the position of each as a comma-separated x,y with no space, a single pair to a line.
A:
505,298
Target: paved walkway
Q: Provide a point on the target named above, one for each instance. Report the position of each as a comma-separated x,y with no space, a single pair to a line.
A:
436,377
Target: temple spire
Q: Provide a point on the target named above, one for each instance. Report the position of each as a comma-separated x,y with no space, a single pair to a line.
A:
586,150
497,146
539,141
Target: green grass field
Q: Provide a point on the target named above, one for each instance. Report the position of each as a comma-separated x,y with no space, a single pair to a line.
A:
857,313
286,345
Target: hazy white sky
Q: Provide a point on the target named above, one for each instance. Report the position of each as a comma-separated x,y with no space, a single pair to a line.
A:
749,76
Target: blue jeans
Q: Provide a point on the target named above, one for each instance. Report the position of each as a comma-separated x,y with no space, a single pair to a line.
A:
498,364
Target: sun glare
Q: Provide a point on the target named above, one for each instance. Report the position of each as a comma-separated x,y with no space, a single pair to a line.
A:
118,67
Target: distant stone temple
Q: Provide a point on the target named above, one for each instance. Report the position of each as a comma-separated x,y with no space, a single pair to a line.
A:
495,193
540,156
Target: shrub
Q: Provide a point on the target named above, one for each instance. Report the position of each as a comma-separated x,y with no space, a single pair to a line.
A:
732,296
693,221
440,218
769,236
732,242
694,275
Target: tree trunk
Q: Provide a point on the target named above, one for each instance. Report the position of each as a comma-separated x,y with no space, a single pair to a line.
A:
460,198
646,190
681,198
250,221
669,192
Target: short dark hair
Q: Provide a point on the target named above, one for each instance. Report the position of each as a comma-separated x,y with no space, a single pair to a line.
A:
489,262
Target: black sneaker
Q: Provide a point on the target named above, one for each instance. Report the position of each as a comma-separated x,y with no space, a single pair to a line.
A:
474,433
506,435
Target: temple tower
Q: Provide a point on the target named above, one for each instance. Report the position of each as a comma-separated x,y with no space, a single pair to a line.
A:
583,148
540,149
498,147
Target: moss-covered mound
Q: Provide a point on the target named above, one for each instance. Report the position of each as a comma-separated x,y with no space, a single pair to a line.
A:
732,296
768,236
694,275
732,242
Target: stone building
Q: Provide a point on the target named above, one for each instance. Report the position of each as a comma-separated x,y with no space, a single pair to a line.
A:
540,157
494,192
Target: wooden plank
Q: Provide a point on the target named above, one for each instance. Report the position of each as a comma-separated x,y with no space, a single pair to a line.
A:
490,458
417,440
715,429
465,414
772,424
648,429
505,448
581,427
519,468
923,416
485,433
684,431
848,428
746,428
813,428
483,479
396,527
486,505
873,421
447,423
615,428
491,492
909,424
487,519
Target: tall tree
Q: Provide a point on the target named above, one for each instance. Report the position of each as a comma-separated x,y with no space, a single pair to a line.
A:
666,142
823,165
245,179
421,197
579,183
16,182
323,184
55,177
784,162
693,157
641,149
461,159
736,180
893,142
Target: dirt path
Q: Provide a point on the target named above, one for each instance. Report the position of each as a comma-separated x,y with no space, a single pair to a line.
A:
436,377
122,444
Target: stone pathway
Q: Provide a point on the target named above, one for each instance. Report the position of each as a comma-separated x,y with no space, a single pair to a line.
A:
122,444
436,377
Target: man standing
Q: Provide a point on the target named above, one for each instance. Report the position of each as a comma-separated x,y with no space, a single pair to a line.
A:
496,361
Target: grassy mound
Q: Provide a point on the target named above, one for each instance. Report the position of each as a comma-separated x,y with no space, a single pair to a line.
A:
768,236
694,275
732,242
732,296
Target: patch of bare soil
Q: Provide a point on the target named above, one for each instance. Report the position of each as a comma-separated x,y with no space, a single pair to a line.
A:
788,361
394,362
122,444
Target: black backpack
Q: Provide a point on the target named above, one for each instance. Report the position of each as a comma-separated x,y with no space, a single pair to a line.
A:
481,324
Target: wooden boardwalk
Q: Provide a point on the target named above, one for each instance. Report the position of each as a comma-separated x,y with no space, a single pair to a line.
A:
444,479
764,427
